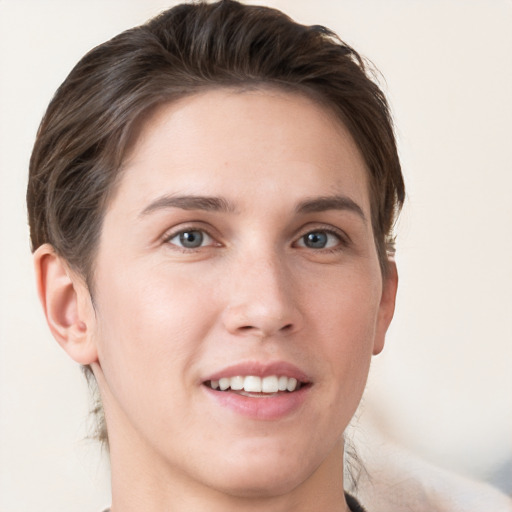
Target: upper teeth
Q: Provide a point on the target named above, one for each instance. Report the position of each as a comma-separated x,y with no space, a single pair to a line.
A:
253,384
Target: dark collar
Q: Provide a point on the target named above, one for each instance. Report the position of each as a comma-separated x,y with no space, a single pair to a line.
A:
353,504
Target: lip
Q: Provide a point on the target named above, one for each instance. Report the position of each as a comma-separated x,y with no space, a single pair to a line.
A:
262,408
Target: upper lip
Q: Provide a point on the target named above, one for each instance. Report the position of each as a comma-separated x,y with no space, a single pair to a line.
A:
258,369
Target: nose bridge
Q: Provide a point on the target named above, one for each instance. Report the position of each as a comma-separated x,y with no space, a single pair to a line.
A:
261,299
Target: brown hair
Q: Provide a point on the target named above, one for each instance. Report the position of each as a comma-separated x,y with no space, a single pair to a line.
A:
90,122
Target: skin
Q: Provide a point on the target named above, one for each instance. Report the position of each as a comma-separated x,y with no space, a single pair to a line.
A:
166,317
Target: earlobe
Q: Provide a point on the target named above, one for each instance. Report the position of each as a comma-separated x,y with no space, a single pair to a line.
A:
66,304
387,307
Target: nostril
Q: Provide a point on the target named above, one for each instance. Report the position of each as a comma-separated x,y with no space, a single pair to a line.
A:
247,328
252,318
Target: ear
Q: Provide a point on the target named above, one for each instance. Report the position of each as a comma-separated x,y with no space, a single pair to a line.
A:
387,306
67,305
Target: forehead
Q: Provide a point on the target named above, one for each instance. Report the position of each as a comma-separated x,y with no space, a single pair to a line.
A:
241,139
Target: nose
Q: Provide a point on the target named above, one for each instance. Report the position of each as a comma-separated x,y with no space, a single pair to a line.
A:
263,299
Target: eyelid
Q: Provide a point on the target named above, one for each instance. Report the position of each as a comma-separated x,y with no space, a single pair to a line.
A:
344,239
177,230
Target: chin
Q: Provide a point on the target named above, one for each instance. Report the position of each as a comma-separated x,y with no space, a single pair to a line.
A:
262,477
261,486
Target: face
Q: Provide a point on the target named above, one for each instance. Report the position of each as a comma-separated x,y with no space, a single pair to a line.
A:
238,294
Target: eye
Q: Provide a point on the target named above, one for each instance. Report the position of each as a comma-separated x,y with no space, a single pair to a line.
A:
320,239
190,239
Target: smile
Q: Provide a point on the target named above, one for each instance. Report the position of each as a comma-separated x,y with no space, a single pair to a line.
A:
268,391
252,384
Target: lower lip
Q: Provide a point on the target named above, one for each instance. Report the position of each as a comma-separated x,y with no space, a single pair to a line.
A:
268,408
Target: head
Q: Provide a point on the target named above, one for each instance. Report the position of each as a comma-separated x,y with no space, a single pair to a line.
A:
183,70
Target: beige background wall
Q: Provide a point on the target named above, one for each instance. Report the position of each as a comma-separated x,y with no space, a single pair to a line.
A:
443,387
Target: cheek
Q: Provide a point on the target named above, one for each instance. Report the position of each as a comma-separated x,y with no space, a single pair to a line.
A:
346,318
148,330
149,337
348,304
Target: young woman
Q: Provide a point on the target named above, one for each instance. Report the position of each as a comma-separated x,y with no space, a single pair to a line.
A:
211,202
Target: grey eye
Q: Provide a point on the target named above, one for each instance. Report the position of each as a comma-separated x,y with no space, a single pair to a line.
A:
191,239
315,240
319,240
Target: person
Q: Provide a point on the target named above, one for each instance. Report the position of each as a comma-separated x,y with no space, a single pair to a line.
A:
211,201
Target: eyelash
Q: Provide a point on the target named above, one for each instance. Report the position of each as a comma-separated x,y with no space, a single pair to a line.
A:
169,236
342,238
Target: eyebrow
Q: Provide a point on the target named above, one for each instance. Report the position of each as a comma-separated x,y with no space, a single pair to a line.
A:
321,204
206,203
220,204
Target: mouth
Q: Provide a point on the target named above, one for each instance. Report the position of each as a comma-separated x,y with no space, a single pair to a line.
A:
257,387
269,391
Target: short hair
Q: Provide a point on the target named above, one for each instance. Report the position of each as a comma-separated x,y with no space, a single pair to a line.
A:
92,119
